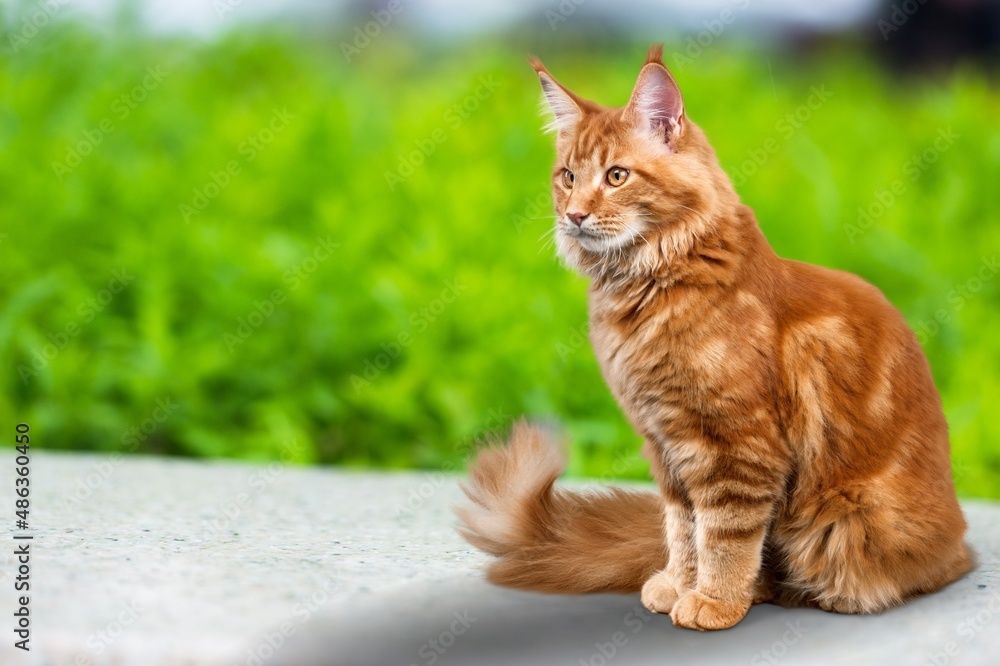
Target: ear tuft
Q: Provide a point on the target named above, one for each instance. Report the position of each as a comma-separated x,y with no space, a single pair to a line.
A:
565,107
655,54
656,106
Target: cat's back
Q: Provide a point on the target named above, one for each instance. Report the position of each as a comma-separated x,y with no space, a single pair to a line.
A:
818,307
843,343
809,291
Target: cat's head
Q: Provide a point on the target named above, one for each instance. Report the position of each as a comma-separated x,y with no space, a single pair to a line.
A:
633,186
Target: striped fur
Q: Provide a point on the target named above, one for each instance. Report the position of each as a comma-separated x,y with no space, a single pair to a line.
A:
789,414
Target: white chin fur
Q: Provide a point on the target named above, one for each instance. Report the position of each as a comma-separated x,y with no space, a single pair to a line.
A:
592,244
598,244
579,252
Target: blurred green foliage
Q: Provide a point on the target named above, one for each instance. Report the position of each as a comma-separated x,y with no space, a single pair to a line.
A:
276,285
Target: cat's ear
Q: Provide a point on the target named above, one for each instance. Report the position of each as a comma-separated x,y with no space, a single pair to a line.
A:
565,107
656,106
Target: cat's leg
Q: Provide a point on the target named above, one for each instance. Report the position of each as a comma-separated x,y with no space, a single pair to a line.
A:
734,491
765,589
664,588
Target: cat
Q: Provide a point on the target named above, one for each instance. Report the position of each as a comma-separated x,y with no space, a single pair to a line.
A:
788,413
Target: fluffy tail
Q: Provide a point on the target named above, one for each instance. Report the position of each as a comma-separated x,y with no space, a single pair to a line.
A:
555,540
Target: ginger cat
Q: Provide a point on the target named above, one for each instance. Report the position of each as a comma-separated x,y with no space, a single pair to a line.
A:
789,414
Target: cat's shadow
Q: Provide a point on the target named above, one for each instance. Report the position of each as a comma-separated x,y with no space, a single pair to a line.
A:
467,622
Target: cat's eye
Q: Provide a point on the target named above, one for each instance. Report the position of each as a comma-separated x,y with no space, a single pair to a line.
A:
568,178
617,176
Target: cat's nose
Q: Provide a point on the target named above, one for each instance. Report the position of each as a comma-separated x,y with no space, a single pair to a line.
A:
577,218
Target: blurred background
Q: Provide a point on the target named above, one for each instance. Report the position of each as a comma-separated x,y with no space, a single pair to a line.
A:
317,230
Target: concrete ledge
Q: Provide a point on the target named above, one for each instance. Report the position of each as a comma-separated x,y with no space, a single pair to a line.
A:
150,561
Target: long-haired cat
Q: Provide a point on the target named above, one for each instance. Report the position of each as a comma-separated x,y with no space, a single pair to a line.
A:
789,414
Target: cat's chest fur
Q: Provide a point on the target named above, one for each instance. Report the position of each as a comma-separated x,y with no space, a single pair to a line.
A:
658,348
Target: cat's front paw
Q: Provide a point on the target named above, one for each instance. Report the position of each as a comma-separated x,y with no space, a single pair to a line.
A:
659,593
694,610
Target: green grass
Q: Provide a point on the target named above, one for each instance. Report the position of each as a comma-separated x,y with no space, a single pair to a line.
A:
468,218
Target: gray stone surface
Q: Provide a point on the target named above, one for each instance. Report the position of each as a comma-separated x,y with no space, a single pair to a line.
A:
150,561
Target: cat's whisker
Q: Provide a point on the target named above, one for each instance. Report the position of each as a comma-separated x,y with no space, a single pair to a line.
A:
548,232
549,238
637,233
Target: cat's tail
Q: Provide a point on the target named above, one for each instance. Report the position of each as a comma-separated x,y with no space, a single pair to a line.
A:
551,539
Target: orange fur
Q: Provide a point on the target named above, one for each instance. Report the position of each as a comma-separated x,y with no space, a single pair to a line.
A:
789,414
554,540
